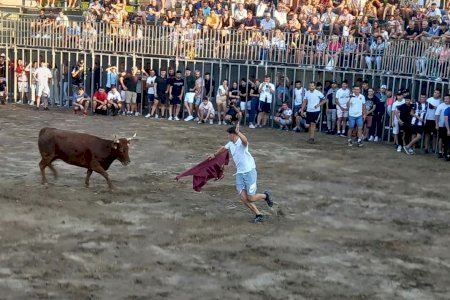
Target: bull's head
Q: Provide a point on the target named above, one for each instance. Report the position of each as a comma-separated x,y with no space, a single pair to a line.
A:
120,149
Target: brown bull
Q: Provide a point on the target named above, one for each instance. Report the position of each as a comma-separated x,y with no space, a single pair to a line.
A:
82,150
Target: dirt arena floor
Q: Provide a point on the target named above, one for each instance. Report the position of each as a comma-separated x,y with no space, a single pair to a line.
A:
352,223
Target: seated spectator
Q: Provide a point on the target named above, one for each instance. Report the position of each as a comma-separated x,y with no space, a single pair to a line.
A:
213,21
267,23
206,9
115,101
431,32
376,53
284,116
81,102
61,22
364,29
328,19
153,12
434,12
233,113
239,14
206,111
261,9
169,19
315,27
334,48
280,16
249,22
100,102
185,19
411,31
96,9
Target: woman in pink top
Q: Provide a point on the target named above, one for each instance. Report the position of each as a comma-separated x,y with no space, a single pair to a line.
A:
444,63
333,50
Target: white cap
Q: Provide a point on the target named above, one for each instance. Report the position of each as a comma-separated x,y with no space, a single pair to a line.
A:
383,86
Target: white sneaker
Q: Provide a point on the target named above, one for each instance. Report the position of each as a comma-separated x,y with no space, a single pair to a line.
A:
147,116
375,139
170,118
156,117
371,138
251,126
136,114
196,119
211,122
189,118
176,119
199,122
399,148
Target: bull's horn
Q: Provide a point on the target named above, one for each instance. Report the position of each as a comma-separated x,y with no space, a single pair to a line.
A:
115,139
132,138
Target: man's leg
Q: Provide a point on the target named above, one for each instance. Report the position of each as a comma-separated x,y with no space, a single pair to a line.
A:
312,130
246,201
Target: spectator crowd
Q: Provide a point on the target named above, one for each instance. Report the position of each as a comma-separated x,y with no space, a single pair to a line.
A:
354,110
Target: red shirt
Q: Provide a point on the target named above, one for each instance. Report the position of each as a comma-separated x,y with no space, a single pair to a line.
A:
101,97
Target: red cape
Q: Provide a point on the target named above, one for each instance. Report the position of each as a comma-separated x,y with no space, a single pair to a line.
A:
207,170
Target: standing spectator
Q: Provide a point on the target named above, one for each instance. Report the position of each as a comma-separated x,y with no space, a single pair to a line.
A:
22,81
239,14
430,121
331,108
81,102
221,101
129,81
378,115
254,101
312,103
404,115
243,96
266,95
199,91
284,116
31,68
356,115
176,91
394,119
42,76
210,85
440,125
190,94
150,84
3,91
447,126
298,94
417,122
161,89
342,98
280,16
376,53
372,102
77,77
112,77
100,102
206,111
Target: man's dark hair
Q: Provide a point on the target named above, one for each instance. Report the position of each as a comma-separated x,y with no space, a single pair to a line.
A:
232,130
298,81
178,72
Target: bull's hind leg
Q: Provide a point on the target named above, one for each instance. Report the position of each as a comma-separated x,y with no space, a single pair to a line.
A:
97,168
42,164
52,168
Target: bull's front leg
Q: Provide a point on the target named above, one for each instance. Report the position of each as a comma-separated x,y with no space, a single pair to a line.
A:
88,176
95,166
42,165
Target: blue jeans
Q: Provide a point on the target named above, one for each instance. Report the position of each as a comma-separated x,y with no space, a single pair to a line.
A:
253,109
355,121
263,54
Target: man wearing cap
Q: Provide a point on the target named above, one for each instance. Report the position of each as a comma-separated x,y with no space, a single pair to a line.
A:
246,175
394,121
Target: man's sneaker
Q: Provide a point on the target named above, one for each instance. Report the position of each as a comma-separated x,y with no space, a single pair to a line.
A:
406,150
189,118
147,116
360,143
343,134
211,122
371,138
311,141
375,139
258,219
170,118
268,200
196,119
251,126
399,148
199,122
349,142
176,119
411,151
156,117
137,114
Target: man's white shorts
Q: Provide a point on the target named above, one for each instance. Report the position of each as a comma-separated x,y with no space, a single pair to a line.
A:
22,86
395,127
341,113
189,98
43,89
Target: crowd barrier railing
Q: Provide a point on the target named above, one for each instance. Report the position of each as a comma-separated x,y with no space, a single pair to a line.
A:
429,59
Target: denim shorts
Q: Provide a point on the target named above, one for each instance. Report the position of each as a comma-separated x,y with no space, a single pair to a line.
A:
247,182
355,121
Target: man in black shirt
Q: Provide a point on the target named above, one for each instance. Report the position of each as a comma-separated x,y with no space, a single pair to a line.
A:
210,85
160,94
176,91
331,108
129,82
190,94
404,114
77,77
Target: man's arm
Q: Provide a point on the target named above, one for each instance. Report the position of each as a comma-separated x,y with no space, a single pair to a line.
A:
219,151
447,125
437,116
243,138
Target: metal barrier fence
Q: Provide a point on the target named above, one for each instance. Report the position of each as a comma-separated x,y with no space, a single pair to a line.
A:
424,59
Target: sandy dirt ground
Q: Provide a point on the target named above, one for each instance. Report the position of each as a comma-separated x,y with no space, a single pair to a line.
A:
348,223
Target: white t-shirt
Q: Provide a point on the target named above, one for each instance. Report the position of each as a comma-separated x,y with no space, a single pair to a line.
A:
114,96
43,75
266,94
395,105
151,83
440,112
221,91
355,105
314,99
242,158
287,113
299,95
343,96
208,107
433,103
